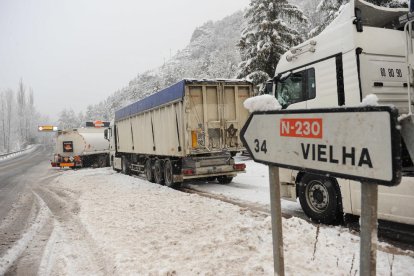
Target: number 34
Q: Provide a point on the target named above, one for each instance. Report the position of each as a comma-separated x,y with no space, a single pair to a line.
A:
259,147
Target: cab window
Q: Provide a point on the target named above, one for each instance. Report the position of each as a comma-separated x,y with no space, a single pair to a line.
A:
298,87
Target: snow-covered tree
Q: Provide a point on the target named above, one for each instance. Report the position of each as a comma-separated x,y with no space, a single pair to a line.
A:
9,101
21,108
18,119
68,119
269,34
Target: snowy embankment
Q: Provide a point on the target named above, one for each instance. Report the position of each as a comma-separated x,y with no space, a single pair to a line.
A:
252,187
8,156
143,228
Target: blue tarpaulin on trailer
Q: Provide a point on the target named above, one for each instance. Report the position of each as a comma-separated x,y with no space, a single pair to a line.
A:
169,94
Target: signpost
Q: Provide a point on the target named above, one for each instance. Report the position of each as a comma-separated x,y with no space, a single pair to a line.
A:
360,143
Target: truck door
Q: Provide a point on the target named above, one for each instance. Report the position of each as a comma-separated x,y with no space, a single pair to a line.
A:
204,116
233,113
213,95
325,83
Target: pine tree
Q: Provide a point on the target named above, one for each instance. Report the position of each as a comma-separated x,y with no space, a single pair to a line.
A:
269,34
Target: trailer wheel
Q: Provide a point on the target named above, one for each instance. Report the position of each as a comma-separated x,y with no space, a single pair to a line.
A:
169,174
319,198
148,170
158,172
125,166
224,179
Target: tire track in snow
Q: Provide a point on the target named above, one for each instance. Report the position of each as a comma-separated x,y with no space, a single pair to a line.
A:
71,247
11,255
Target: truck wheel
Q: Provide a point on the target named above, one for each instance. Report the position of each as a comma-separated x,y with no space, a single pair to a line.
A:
101,161
319,198
125,166
158,172
169,174
148,170
224,179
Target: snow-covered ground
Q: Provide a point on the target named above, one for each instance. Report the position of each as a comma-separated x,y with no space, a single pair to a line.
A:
147,229
252,186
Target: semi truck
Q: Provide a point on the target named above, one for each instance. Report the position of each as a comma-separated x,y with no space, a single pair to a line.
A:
82,147
362,52
189,130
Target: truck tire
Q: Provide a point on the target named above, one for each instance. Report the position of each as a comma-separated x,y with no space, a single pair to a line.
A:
169,174
125,166
320,199
149,173
101,161
224,179
158,172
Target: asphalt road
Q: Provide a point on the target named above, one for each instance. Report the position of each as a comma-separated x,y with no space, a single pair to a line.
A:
20,210
18,173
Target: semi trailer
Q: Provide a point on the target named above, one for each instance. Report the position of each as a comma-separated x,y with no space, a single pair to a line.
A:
189,130
362,52
82,147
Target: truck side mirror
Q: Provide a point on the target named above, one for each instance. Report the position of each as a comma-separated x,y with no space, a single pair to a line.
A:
269,87
106,134
358,20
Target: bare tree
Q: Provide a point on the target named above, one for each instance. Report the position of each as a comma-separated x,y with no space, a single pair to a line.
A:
9,107
21,108
30,113
3,117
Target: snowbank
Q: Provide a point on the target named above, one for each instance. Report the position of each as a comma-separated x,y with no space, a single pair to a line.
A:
12,155
262,103
251,187
144,228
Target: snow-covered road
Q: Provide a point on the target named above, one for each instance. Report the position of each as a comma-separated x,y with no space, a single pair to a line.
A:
99,222
109,223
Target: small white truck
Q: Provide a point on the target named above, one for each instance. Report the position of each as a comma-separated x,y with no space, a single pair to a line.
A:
82,147
362,52
186,131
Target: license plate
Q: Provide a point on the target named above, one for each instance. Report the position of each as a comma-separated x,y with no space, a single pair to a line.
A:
67,164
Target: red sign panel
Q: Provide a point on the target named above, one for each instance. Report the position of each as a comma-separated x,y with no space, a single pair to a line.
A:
301,127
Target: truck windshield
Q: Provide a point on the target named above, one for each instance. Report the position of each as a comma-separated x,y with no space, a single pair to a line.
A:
298,87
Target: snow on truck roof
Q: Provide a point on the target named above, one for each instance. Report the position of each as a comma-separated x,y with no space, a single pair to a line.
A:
169,94
340,35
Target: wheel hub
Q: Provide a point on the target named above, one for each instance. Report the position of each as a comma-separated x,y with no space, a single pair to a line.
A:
318,196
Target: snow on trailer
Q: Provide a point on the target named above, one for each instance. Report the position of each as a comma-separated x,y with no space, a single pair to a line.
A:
188,130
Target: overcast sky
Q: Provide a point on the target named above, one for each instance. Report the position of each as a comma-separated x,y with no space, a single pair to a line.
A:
77,52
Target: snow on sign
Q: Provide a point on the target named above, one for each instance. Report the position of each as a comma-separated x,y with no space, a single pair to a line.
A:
361,143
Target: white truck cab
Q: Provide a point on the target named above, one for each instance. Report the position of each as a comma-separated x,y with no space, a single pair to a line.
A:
363,51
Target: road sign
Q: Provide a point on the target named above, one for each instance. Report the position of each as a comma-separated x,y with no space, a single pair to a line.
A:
360,143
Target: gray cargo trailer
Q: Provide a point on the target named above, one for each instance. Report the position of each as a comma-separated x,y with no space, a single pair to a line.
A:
188,130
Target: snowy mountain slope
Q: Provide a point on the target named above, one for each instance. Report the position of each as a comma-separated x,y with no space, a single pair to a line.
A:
211,53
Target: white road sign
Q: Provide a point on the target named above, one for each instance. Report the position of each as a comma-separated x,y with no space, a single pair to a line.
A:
355,143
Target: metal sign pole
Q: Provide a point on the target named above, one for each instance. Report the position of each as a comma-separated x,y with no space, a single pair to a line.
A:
369,226
276,215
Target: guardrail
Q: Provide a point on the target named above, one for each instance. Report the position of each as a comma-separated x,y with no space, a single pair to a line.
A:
14,153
